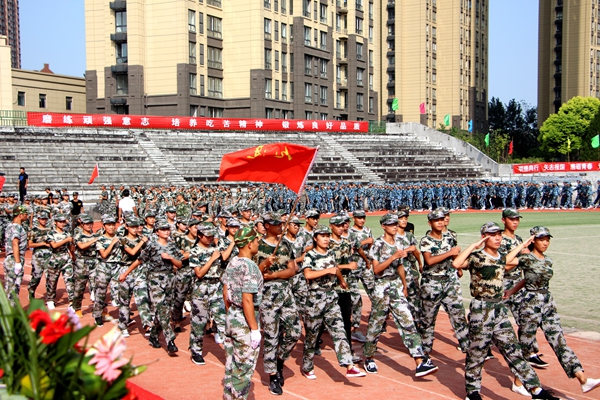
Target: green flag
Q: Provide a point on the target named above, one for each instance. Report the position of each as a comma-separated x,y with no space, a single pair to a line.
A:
487,140
395,104
596,141
447,120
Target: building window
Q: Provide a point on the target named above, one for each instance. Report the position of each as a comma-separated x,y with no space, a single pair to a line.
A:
371,105
370,58
307,65
323,66
193,111
192,21
276,31
267,58
216,3
359,5
192,47
323,95
214,58
69,103
267,4
370,81
214,27
21,99
267,29
201,85
193,84
323,40
121,21
283,33
283,62
283,8
201,23
214,112
306,8
122,84
359,76
268,88
323,116
201,54
323,13
371,11
307,36
359,51
215,87
284,91
359,26
359,101
371,34
308,115
269,113
308,93
121,49
276,90
276,60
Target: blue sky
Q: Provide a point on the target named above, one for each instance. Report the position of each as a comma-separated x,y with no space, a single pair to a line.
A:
53,31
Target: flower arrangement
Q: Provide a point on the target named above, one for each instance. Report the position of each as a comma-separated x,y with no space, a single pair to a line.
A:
46,356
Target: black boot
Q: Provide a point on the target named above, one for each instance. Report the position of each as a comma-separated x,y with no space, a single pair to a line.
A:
280,371
154,342
171,348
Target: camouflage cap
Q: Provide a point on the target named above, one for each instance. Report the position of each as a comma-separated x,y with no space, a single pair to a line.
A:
490,227
224,214
244,236
272,218
244,207
75,193
445,210
207,230
435,214
233,222
321,230
161,224
312,214
337,220
193,221
170,209
60,217
43,215
12,195
150,213
108,219
296,220
540,231
134,221
511,213
86,219
18,210
182,221
197,213
359,214
389,219
403,213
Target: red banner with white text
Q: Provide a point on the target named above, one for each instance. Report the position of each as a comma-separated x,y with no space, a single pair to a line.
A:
549,167
193,123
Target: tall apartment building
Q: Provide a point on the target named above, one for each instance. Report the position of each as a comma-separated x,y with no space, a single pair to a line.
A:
569,53
436,53
302,59
9,27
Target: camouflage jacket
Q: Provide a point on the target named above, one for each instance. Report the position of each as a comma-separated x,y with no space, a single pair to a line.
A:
284,254
115,255
55,236
380,252
487,274
15,231
39,235
151,256
537,272
436,247
506,247
243,276
199,256
128,259
318,262
91,251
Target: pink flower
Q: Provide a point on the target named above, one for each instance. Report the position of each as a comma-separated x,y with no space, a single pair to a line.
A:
107,352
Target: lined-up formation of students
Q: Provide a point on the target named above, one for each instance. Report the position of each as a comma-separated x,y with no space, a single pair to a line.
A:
262,279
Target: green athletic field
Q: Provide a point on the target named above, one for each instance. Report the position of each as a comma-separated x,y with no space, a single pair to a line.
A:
574,249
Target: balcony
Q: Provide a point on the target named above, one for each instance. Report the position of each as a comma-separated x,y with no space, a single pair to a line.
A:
557,75
214,34
215,3
343,33
391,84
342,5
119,69
342,83
215,64
119,5
342,59
118,101
118,37
308,99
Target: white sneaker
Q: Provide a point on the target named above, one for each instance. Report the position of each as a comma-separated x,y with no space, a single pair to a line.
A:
50,305
218,339
187,306
125,333
92,297
520,390
590,385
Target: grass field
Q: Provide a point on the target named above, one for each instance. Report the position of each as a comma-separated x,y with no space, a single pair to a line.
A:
574,250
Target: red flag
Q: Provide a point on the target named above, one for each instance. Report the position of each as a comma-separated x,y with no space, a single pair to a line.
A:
510,147
95,174
2,180
284,163
422,108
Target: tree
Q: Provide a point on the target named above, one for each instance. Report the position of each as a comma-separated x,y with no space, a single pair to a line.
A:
518,121
568,131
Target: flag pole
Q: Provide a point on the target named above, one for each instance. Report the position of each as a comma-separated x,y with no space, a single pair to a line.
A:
293,210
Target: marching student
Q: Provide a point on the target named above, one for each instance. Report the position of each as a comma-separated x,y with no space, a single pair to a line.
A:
61,260
38,241
86,259
15,247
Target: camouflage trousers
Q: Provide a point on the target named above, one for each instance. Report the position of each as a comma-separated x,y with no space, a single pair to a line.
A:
136,285
322,309
160,288
488,323
183,286
446,293
364,275
300,291
514,303
59,263
207,301
85,271
12,283
538,310
105,272
388,298
39,263
280,322
240,357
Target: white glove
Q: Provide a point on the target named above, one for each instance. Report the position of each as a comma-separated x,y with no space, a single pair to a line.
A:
255,337
18,268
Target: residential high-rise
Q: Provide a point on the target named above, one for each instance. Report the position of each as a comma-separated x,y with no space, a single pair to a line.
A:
434,57
302,59
9,27
569,53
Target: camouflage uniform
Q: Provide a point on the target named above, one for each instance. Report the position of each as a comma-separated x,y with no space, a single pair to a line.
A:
278,311
322,309
439,287
60,261
160,285
411,270
241,276
538,310
342,251
298,281
207,297
488,322
39,259
388,297
136,285
107,269
12,282
85,268
184,279
362,273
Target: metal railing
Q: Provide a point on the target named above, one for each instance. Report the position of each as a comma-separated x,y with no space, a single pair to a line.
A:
13,118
